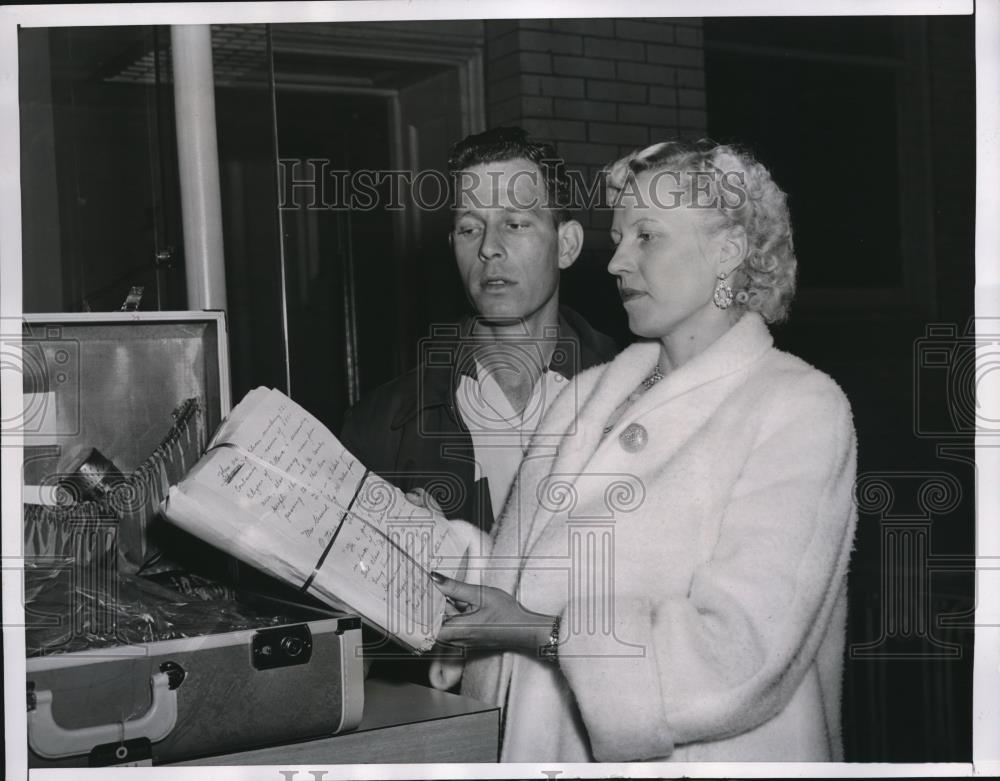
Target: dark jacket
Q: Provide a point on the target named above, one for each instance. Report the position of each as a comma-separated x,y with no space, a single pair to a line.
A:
410,432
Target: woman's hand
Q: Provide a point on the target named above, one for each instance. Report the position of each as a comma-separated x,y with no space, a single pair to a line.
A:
489,618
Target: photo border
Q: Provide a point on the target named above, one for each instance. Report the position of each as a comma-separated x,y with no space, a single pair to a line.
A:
986,715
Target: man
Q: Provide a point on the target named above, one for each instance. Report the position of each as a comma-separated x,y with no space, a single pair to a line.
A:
459,424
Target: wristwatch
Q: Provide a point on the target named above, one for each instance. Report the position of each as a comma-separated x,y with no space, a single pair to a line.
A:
550,651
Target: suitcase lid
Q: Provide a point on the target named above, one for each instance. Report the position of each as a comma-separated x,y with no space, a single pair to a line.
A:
110,380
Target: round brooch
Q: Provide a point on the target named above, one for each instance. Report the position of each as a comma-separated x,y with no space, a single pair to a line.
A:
634,438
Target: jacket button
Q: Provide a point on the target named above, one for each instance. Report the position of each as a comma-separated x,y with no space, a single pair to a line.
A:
634,438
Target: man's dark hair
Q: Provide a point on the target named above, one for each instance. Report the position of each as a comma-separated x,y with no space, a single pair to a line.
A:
500,144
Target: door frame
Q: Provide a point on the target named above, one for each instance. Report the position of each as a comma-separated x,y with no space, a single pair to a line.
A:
455,45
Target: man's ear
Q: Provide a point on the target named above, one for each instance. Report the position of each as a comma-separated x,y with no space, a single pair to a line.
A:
733,250
570,242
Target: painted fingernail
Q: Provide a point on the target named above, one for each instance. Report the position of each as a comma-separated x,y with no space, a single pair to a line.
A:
437,577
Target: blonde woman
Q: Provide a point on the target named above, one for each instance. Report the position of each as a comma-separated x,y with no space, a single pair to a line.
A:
706,619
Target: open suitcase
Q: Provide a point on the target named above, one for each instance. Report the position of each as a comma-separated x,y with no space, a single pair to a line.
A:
132,658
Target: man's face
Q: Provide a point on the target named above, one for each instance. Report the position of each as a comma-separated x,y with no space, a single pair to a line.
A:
506,243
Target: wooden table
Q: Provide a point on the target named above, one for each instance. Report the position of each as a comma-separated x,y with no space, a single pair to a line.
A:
403,722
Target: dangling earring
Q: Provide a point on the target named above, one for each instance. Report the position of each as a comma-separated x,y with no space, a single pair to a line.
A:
723,295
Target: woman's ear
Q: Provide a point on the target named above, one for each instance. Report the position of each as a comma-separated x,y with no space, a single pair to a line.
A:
570,242
733,250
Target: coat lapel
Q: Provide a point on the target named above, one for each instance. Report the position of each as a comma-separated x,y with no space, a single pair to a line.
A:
548,482
736,350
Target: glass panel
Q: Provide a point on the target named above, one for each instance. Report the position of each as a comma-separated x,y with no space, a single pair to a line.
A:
363,279
244,107
100,199
329,251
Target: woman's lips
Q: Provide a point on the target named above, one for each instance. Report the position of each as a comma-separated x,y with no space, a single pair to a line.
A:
628,293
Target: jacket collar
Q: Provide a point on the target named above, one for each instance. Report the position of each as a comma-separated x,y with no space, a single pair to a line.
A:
450,355
739,347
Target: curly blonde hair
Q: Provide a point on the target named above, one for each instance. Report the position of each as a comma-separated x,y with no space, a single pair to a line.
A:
743,194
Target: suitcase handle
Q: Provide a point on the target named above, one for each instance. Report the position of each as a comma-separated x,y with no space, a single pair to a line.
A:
49,740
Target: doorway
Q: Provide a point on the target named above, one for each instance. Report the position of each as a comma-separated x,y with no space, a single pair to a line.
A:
362,268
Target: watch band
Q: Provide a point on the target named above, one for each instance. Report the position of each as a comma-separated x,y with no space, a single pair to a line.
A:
550,651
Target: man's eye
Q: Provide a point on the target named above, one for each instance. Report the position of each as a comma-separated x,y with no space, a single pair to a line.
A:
644,236
515,225
466,230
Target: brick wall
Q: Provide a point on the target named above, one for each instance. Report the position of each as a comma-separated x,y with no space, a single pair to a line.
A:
598,88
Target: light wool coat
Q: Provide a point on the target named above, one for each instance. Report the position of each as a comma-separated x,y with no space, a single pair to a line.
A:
701,580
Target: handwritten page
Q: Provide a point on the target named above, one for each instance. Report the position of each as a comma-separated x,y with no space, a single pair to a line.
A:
392,546
301,507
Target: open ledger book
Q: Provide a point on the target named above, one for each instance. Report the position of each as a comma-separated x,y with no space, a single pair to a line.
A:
277,490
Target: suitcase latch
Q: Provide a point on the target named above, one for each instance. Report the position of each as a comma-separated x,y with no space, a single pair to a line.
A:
175,673
282,646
